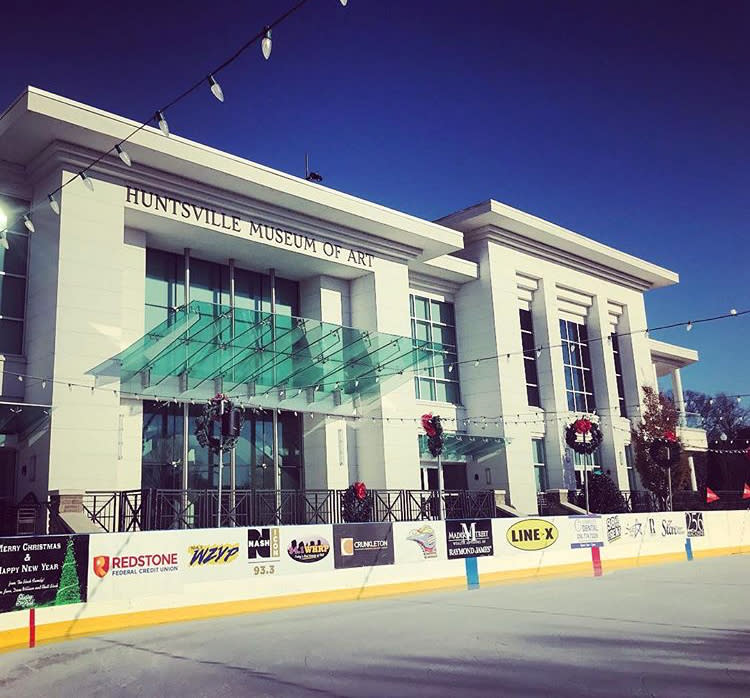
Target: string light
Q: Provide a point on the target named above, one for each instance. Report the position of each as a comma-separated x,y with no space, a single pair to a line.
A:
216,88
733,311
27,222
87,181
123,155
689,326
162,122
4,240
266,45
53,204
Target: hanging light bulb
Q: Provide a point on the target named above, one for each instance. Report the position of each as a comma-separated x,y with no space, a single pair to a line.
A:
123,155
216,88
53,204
27,222
476,363
87,181
739,398
450,368
4,241
163,125
343,2
689,326
733,311
538,352
266,44
20,378
44,384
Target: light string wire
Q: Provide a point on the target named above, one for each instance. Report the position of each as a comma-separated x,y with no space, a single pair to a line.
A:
154,117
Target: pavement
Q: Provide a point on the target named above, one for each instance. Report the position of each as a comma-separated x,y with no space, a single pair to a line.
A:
674,630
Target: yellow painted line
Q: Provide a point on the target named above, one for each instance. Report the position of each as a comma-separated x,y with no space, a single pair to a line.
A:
64,630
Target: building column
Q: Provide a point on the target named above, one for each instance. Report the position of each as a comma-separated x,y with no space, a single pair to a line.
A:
679,398
552,385
605,391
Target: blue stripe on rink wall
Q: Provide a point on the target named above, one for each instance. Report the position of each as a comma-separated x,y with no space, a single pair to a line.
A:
472,573
688,549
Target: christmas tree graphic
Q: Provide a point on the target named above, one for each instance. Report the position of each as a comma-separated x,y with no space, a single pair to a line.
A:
69,588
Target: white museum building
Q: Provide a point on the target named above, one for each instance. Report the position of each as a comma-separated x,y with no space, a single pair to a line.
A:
333,322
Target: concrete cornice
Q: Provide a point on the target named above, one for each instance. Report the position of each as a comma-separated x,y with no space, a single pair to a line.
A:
521,230
38,118
672,354
67,155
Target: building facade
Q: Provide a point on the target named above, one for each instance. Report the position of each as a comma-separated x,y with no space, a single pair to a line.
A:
334,323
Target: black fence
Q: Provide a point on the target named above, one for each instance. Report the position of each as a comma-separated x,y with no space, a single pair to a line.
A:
638,501
152,509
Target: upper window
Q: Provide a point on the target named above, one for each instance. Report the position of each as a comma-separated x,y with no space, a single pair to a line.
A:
618,375
540,465
529,358
434,321
579,384
12,276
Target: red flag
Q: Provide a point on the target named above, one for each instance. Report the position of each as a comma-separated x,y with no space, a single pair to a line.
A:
711,496
746,492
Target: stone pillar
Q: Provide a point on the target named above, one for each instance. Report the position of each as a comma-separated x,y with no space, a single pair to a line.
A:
326,442
693,480
551,380
605,389
679,398
386,441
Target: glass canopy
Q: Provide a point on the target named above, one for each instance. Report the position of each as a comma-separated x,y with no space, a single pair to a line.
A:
20,417
460,447
262,354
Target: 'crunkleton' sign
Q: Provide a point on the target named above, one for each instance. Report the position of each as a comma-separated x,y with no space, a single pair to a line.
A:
268,234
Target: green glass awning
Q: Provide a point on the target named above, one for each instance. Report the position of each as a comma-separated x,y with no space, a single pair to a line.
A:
274,356
461,447
20,417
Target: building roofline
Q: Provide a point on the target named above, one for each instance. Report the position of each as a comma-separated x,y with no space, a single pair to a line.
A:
479,220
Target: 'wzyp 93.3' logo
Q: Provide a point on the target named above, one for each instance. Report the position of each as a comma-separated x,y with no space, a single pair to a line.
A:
213,554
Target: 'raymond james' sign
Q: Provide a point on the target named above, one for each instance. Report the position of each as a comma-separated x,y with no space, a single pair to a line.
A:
260,232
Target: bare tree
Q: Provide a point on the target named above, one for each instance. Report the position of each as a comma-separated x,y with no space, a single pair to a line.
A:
721,414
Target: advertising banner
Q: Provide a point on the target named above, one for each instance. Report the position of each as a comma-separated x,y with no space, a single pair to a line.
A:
471,538
208,555
587,531
362,545
532,534
129,564
694,524
289,550
419,541
43,571
613,527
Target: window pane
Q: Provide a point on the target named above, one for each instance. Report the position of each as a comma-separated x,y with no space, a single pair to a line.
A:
441,392
527,341
11,336
452,393
442,312
569,378
12,294
530,368
13,260
444,335
571,401
525,317
532,396
563,329
423,332
421,308
426,389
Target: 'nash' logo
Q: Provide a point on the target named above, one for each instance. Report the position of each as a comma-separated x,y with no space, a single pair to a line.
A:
201,555
532,534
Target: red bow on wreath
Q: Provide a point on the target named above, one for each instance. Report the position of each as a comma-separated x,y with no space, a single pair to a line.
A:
427,425
360,490
670,436
582,426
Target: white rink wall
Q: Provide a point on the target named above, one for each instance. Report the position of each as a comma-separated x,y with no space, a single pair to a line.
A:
266,570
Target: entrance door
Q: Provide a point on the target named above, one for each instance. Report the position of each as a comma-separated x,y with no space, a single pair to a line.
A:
454,476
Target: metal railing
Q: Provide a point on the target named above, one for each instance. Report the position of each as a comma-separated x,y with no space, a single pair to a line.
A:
158,509
690,420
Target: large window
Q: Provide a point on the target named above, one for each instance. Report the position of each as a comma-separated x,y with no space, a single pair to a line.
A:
579,382
540,464
529,358
12,277
162,451
618,375
209,283
437,375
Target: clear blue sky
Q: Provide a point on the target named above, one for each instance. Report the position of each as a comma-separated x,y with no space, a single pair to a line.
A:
628,122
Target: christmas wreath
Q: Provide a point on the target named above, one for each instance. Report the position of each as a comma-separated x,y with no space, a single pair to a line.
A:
434,430
356,503
665,451
204,424
583,435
